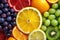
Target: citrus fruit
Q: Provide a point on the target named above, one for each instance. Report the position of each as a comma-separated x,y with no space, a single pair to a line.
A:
28,19
37,35
17,5
42,5
52,1
18,34
11,38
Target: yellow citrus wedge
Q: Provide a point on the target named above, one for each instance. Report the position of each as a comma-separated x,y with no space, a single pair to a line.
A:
28,19
18,34
11,38
37,35
52,1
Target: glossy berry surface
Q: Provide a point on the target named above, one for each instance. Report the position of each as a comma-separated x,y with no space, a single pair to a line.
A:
7,18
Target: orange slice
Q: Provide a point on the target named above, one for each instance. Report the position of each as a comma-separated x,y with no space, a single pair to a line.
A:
52,1
11,38
28,19
18,35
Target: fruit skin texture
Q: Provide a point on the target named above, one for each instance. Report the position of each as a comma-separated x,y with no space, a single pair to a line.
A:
42,5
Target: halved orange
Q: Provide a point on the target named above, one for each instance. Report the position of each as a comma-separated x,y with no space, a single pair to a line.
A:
18,34
28,19
52,1
11,38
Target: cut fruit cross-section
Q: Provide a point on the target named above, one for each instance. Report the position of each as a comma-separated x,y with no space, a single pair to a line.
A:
18,34
17,5
28,19
52,1
37,35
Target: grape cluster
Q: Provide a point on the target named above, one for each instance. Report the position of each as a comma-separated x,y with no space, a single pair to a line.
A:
51,19
7,17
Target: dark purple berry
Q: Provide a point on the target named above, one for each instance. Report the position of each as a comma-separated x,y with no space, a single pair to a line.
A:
6,5
5,10
4,1
1,6
5,28
10,26
8,13
5,23
12,10
0,11
0,27
4,15
1,20
9,18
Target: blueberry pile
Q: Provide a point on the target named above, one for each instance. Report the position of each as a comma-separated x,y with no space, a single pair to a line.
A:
7,17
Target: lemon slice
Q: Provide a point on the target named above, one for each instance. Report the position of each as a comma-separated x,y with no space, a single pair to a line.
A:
28,19
37,35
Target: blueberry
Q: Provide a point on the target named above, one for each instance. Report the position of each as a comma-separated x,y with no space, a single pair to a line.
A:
14,23
4,1
4,15
1,20
8,13
0,11
10,31
10,26
1,6
12,10
6,5
14,14
5,23
5,10
9,18
8,34
0,27
5,28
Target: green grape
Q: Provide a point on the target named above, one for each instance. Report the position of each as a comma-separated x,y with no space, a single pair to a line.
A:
47,23
57,13
59,26
54,22
51,17
59,3
55,6
44,28
52,10
43,19
46,14
59,19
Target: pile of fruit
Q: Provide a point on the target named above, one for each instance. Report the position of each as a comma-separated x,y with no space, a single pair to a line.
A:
29,19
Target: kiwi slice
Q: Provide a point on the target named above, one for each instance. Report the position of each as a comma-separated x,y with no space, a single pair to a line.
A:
52,33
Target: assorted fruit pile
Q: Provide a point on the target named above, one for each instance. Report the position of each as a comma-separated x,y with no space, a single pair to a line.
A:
29,20
51,22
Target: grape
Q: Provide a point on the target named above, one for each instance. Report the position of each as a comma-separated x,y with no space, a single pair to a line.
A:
59,19
54,22
57,13
55,6
52,10
59,3
44,28
59,26
43,19
51,17
46,14
47,23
